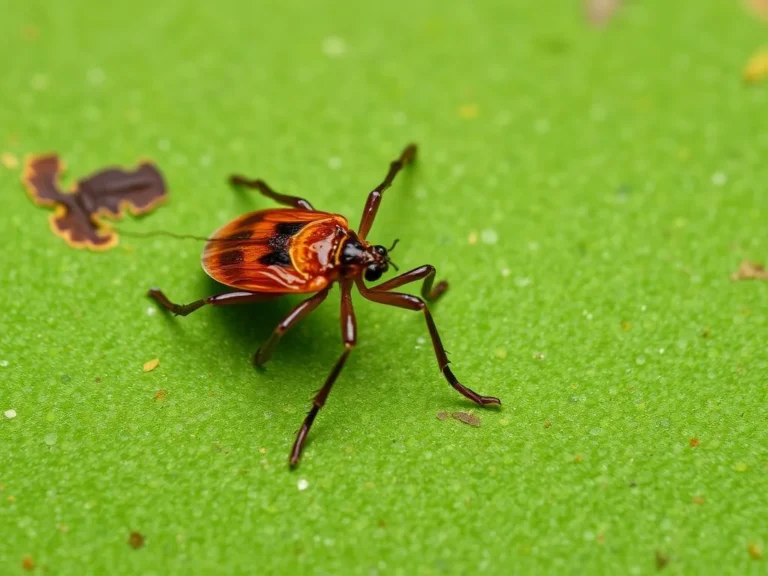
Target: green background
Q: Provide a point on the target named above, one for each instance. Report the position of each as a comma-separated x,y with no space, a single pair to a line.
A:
587,192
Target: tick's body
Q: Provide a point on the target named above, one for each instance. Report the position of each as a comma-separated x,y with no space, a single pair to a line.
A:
271,253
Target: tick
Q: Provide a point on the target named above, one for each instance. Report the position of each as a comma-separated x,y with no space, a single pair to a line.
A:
299,250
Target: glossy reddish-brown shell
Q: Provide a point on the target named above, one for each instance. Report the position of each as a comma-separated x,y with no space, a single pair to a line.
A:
280,251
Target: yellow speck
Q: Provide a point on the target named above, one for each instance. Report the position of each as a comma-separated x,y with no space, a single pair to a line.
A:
500,353
11,499
151,365
472,238
9,160
740,467
757,67
262,450
369,485
503,422
469,111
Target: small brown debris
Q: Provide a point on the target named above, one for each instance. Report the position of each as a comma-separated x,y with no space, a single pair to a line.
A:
442,415
599,12
467,418
698,500
759,8
661,560
706,333
62,528
9,160
578,458
547,423
755,550
136,540
694,442
750,271
151,364
600,538
27,563
78,215
11,499
160,394
626,326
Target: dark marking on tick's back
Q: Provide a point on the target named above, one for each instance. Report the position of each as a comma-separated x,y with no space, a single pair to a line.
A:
289,228
241,235
277,258
252,219
231,257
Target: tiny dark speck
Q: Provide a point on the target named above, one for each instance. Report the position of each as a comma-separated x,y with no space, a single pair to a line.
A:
231,257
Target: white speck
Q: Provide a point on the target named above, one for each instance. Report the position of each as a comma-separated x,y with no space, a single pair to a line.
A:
10,413
50,439
302,484
533,246
661,350
334,46
643,308
640,360
421,340
164,145
39,82
334,162
95,76
506,272
489,236
587,315
719,178
151,311
3,363
522,281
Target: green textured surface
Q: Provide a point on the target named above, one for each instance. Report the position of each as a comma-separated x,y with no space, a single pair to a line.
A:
623,175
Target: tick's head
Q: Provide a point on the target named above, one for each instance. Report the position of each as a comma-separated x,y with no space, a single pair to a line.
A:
372,258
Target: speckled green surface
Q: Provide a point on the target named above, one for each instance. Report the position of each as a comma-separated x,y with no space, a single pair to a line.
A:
611,181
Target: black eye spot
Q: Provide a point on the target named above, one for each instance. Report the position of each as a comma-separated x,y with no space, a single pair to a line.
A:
380,250
372,273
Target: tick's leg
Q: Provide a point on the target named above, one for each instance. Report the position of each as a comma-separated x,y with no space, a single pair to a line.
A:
225,299
426,272
417,304
297,314
263,187
349,335
374,198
